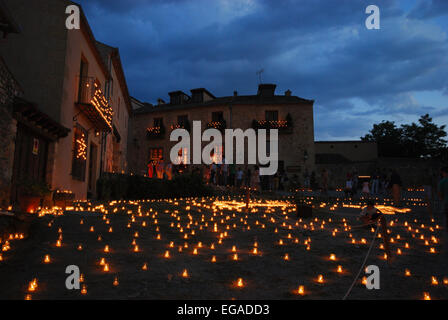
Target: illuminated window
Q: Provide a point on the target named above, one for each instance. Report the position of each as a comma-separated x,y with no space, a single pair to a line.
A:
155,154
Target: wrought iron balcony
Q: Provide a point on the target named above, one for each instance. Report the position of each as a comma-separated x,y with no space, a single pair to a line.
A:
94,105
220,125
184,125
284,126
155,132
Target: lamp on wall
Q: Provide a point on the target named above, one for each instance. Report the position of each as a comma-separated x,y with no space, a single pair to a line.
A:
305,156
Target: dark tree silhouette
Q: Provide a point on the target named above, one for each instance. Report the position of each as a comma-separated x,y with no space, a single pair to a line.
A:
424,139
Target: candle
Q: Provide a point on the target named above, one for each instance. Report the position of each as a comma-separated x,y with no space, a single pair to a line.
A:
32,285
320,278
301,290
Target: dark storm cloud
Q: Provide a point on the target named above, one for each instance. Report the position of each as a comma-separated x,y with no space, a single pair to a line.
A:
319,49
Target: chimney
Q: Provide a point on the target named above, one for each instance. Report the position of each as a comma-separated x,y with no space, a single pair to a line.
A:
235,93
266,90
201,95
178,97
160,102
288,93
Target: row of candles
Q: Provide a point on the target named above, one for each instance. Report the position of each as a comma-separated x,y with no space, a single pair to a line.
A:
194,217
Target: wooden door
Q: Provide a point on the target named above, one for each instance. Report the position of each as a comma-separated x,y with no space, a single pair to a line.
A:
30,159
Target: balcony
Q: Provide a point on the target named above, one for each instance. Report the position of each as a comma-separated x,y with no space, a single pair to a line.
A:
219,124
94,105
184,125
283,126
155,132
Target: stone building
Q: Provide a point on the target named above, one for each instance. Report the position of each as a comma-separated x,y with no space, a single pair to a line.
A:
75,100
9,89
150,126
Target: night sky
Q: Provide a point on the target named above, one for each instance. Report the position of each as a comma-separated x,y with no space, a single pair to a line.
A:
319,49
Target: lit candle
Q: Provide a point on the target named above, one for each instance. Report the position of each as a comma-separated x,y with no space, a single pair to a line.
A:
320,278
301,290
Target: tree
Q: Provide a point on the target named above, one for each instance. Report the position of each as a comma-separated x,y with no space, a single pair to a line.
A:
424,139
416,140
388,137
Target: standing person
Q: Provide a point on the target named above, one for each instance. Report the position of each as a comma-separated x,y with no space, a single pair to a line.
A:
365,188
395,182
443,193
239,177
213,173
225,172
349,188
232,172
150,169
355,182
207,174
255,179
375,182
383,183
313,183
169,171
160,169
247,177
306,179
276,182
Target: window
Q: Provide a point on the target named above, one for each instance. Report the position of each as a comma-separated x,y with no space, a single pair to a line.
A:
155,154
79,160
158,122
83,80
182,120
118,109
271,115
217,116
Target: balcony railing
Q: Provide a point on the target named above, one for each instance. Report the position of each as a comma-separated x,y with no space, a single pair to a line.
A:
94,105
284,126
220,125
184,125
155,132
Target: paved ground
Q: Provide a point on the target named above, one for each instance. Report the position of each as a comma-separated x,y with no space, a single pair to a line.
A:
265,275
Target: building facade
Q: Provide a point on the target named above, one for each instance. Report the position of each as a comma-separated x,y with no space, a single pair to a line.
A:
151,126
79,84
9,89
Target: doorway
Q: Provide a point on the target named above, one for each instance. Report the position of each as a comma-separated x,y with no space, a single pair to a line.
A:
30,160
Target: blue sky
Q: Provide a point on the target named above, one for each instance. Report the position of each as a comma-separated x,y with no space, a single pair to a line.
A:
319,49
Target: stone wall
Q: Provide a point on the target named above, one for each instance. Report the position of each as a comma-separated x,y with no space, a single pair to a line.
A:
292,145
9,88
413,172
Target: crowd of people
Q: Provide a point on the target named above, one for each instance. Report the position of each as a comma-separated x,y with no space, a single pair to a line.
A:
387,183
380,183
231,175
